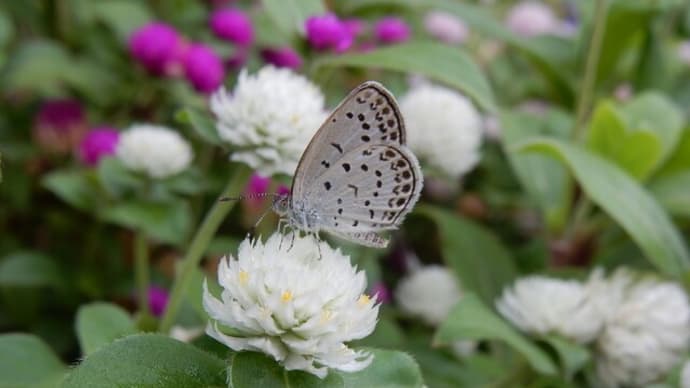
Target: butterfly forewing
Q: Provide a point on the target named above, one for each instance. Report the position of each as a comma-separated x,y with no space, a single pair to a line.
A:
370,188
369,115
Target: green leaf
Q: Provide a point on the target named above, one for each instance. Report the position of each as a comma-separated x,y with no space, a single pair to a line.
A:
572,357
116,179
673,192
202,124
633,208
290,15
29,269
99,324
547,184
654,112
471,319
449,66
679,160
149,360
73,187
37,66
6,29
26,361
636,152
390,369
251,369
122,16
166,221
479,259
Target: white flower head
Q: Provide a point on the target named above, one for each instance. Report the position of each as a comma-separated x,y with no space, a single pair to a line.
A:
445,27
155,150
685,375
646,332
298,302
540,305
428,293
443,128
269,118
684,52
531,18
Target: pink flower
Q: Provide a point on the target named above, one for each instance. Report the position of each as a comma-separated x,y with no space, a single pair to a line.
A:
155,46
381,292
392,30
232,25
97,144
283,190
203,68
354,27
328,32
532,18
158,300
282,57
445,27
59,125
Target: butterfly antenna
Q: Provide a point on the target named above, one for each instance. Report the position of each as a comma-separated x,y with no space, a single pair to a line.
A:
250,196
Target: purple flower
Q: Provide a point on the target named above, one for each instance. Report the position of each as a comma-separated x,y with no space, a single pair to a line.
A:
257,185
59,125
445,27
282,57
158,300
98,143
381,292
155,46
354,27
203,68
232,25
237,60
283,190
392,30
532,18
328,32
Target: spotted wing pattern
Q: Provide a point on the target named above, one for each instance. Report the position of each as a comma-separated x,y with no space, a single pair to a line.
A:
368,115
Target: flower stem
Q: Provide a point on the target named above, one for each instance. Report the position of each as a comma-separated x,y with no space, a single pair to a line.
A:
141,272
590,77
200,242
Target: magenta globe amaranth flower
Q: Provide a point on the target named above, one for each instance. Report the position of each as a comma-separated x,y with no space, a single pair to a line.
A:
232,25
97,144
328,32
158,300
392,30
203,68
155,46
59,125
282,57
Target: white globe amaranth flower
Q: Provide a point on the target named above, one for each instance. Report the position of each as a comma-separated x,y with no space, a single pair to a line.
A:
540,305
684,52
154,150
297,301
443,128
269,118
429,293
532,18
646,332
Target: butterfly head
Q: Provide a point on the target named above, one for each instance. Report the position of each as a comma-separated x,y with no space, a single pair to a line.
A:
281,204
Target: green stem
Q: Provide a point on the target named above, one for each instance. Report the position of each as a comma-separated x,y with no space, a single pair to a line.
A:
590,76
141,271
200,242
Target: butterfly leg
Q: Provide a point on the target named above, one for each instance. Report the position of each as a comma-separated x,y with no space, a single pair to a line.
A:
317,241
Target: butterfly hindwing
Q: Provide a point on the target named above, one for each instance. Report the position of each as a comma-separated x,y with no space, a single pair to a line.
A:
370,188
368,115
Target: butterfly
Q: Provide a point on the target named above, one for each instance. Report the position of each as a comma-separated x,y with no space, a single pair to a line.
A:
356,177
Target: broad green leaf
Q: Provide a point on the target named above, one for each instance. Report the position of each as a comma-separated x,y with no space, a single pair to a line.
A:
149,360
290,15
99,324
122,16
449,66
390,369
166,221
680,158
202,125
476,255
633,208
74,187
654,112
26,361
471,319
572,357
251,369
673,192
29,269
547,184
38,66
635,151
116,179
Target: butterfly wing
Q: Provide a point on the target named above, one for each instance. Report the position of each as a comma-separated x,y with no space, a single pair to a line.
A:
369,239
369,189
368,115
